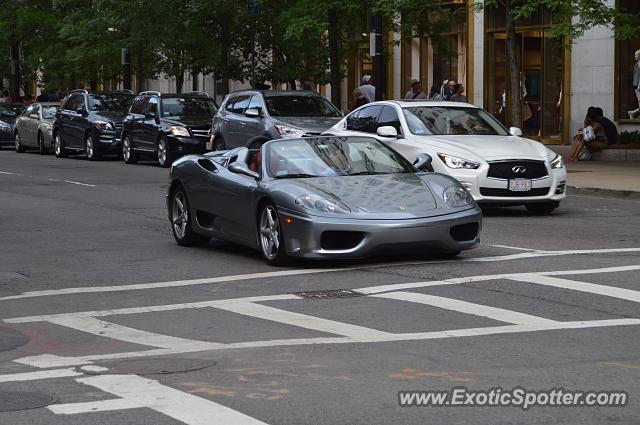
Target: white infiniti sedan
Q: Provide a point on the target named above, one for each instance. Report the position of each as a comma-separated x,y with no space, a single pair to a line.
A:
496,165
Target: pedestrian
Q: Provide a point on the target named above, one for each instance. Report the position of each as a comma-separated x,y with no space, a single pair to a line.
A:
367,88
416,91
434,93
87,86
598,133
457,95
6,97
358,98
43,97
449,88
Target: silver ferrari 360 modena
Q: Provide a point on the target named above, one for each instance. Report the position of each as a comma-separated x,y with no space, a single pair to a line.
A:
320,197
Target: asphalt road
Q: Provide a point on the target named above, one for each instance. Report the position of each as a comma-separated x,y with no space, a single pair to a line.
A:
105,320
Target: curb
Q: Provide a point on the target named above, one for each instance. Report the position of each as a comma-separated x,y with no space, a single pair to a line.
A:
617,193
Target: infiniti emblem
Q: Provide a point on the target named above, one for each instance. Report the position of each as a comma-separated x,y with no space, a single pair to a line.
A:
519,169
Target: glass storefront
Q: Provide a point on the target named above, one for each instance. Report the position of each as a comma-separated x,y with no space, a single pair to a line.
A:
541,74
627,97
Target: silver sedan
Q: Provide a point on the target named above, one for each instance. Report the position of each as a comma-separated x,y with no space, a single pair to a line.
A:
34,126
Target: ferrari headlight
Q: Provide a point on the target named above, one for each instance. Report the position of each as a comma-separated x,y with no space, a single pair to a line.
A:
179,131
456,196
289,131
557,162
318,203
103,125
455,162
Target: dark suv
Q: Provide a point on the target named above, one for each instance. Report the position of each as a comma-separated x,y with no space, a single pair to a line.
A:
167,126
251,117
90,122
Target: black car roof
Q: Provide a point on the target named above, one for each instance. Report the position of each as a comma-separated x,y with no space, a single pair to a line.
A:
277,93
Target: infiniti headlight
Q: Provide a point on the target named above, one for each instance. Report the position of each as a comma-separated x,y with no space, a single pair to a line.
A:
455,162
557,162
456,196
103,125
318,203
179,131
289,131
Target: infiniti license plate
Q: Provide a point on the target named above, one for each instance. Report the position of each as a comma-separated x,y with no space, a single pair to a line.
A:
520,185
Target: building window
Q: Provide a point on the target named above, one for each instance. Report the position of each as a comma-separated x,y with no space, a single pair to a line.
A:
628,62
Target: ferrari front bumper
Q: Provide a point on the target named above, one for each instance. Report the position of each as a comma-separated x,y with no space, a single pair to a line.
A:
324,237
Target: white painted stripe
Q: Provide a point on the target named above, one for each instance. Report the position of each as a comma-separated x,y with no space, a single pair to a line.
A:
80,184
295,272
592,271
143,392
357,333
94,406
44,362
136,336
515,248
4,172
592,288
493,313
38,375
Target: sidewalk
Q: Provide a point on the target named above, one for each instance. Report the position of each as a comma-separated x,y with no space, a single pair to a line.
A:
615,177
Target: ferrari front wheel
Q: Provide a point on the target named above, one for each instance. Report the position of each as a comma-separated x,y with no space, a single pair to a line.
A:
270,236
181,221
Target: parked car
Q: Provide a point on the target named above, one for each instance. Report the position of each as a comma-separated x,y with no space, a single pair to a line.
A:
90,122
251,117
167,126
496,165
8,115
320,197
34,127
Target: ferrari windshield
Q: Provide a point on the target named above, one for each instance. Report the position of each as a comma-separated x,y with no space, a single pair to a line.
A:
332,156
300,106
443,120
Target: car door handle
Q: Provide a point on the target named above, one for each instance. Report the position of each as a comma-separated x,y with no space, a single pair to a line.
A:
226,120
244,124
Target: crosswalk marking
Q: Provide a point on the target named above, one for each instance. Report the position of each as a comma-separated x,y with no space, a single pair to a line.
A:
494,313
592,288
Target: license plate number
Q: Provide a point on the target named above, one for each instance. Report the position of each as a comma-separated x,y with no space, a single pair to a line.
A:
520,185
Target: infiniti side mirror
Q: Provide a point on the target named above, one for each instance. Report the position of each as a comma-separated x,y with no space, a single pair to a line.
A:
243,169
387,131
423,162
515,131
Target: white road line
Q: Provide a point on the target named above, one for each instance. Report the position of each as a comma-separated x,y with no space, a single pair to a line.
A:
80,184
136,391
54,361
592,288
4,172
357,333
135,336
38,375
295,272
494,313
516,248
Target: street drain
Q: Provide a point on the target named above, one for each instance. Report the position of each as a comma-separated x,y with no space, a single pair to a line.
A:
329,294
11,401
155,366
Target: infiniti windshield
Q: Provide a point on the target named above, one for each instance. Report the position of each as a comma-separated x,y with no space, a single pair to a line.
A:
300,106
332,156
442,120
188,107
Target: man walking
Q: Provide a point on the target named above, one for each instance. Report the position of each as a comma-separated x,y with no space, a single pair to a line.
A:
416,91
368,89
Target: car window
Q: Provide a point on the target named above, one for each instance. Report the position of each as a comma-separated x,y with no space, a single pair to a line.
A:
389,117
152,106
442,120
240,104
49,111
29,110
36,109
300,106
138,105
367,119
351,120
228,106
74,102
188,106
256,103
110,102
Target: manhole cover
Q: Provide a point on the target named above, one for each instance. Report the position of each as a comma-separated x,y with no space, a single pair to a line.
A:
13,400
157,366
329,293
11,339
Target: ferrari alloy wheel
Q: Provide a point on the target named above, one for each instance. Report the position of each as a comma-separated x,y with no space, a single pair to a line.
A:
18,146
165,157
128,154
58,147
90,149
181,221
270,236
42,149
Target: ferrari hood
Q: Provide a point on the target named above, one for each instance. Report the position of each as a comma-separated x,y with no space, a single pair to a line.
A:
488,147
403,194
